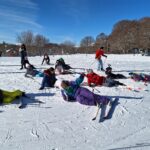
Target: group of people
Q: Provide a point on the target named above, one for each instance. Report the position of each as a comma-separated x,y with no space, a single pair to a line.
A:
72,90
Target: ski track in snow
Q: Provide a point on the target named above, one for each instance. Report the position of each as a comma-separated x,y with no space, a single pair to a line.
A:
58,125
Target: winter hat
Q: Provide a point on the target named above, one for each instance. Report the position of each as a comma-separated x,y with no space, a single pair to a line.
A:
89,71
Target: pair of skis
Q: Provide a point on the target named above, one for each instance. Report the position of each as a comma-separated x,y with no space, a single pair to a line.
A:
106,110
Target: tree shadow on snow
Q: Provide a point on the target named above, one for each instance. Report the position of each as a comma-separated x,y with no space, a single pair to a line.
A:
138,145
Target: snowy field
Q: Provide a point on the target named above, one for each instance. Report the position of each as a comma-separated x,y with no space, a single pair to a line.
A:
58,125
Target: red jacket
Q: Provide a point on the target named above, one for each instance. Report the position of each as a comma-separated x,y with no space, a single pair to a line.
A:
99,53
47,72
95,78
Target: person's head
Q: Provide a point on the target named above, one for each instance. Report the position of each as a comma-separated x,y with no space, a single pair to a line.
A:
89,71
101,47
52,70
64,84
23,46
45,54
108,70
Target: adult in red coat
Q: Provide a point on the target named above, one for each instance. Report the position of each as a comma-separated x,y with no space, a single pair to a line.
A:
98,55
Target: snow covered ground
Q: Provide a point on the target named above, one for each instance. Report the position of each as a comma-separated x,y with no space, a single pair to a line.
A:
58,125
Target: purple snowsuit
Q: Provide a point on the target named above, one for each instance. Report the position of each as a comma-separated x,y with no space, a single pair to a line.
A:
86,97
83,95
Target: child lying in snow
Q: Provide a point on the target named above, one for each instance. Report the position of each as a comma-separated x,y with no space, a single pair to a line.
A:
49,78
31,71
111,75
95,79
140,77
7,97
71,91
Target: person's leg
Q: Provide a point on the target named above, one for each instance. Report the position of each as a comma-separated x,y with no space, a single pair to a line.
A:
101,64
98,65
21,64
102,99
45,82
85,97
48,62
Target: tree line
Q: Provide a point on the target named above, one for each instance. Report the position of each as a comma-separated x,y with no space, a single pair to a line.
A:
126,35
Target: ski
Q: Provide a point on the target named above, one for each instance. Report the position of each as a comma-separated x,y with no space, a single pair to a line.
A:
98,107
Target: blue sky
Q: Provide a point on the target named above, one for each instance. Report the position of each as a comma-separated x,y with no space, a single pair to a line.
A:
61,20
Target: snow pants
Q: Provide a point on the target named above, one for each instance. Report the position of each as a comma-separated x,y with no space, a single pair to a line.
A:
86,97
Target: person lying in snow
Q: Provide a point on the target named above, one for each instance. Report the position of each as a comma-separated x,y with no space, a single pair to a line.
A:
61,67
71,91
96,80
111,75
140,77
31,71
49,78
7,97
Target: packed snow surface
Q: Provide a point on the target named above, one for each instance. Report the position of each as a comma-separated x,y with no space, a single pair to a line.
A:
59,125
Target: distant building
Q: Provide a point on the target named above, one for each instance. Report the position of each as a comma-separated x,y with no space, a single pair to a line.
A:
10,52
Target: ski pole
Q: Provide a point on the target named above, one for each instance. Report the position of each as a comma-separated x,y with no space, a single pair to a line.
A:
34,80
93,88
92,63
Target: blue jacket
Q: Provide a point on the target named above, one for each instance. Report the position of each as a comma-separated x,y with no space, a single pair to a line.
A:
70,91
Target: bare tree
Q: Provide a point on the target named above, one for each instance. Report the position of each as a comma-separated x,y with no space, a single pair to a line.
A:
40,41
67,47
102,40
144,32
87,42
26,37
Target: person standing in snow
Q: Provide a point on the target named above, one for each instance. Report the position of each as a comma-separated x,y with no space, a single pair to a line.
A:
71,91
23,54
98,55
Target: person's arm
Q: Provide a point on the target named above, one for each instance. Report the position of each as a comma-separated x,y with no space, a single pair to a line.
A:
80,79
64,95
104,55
